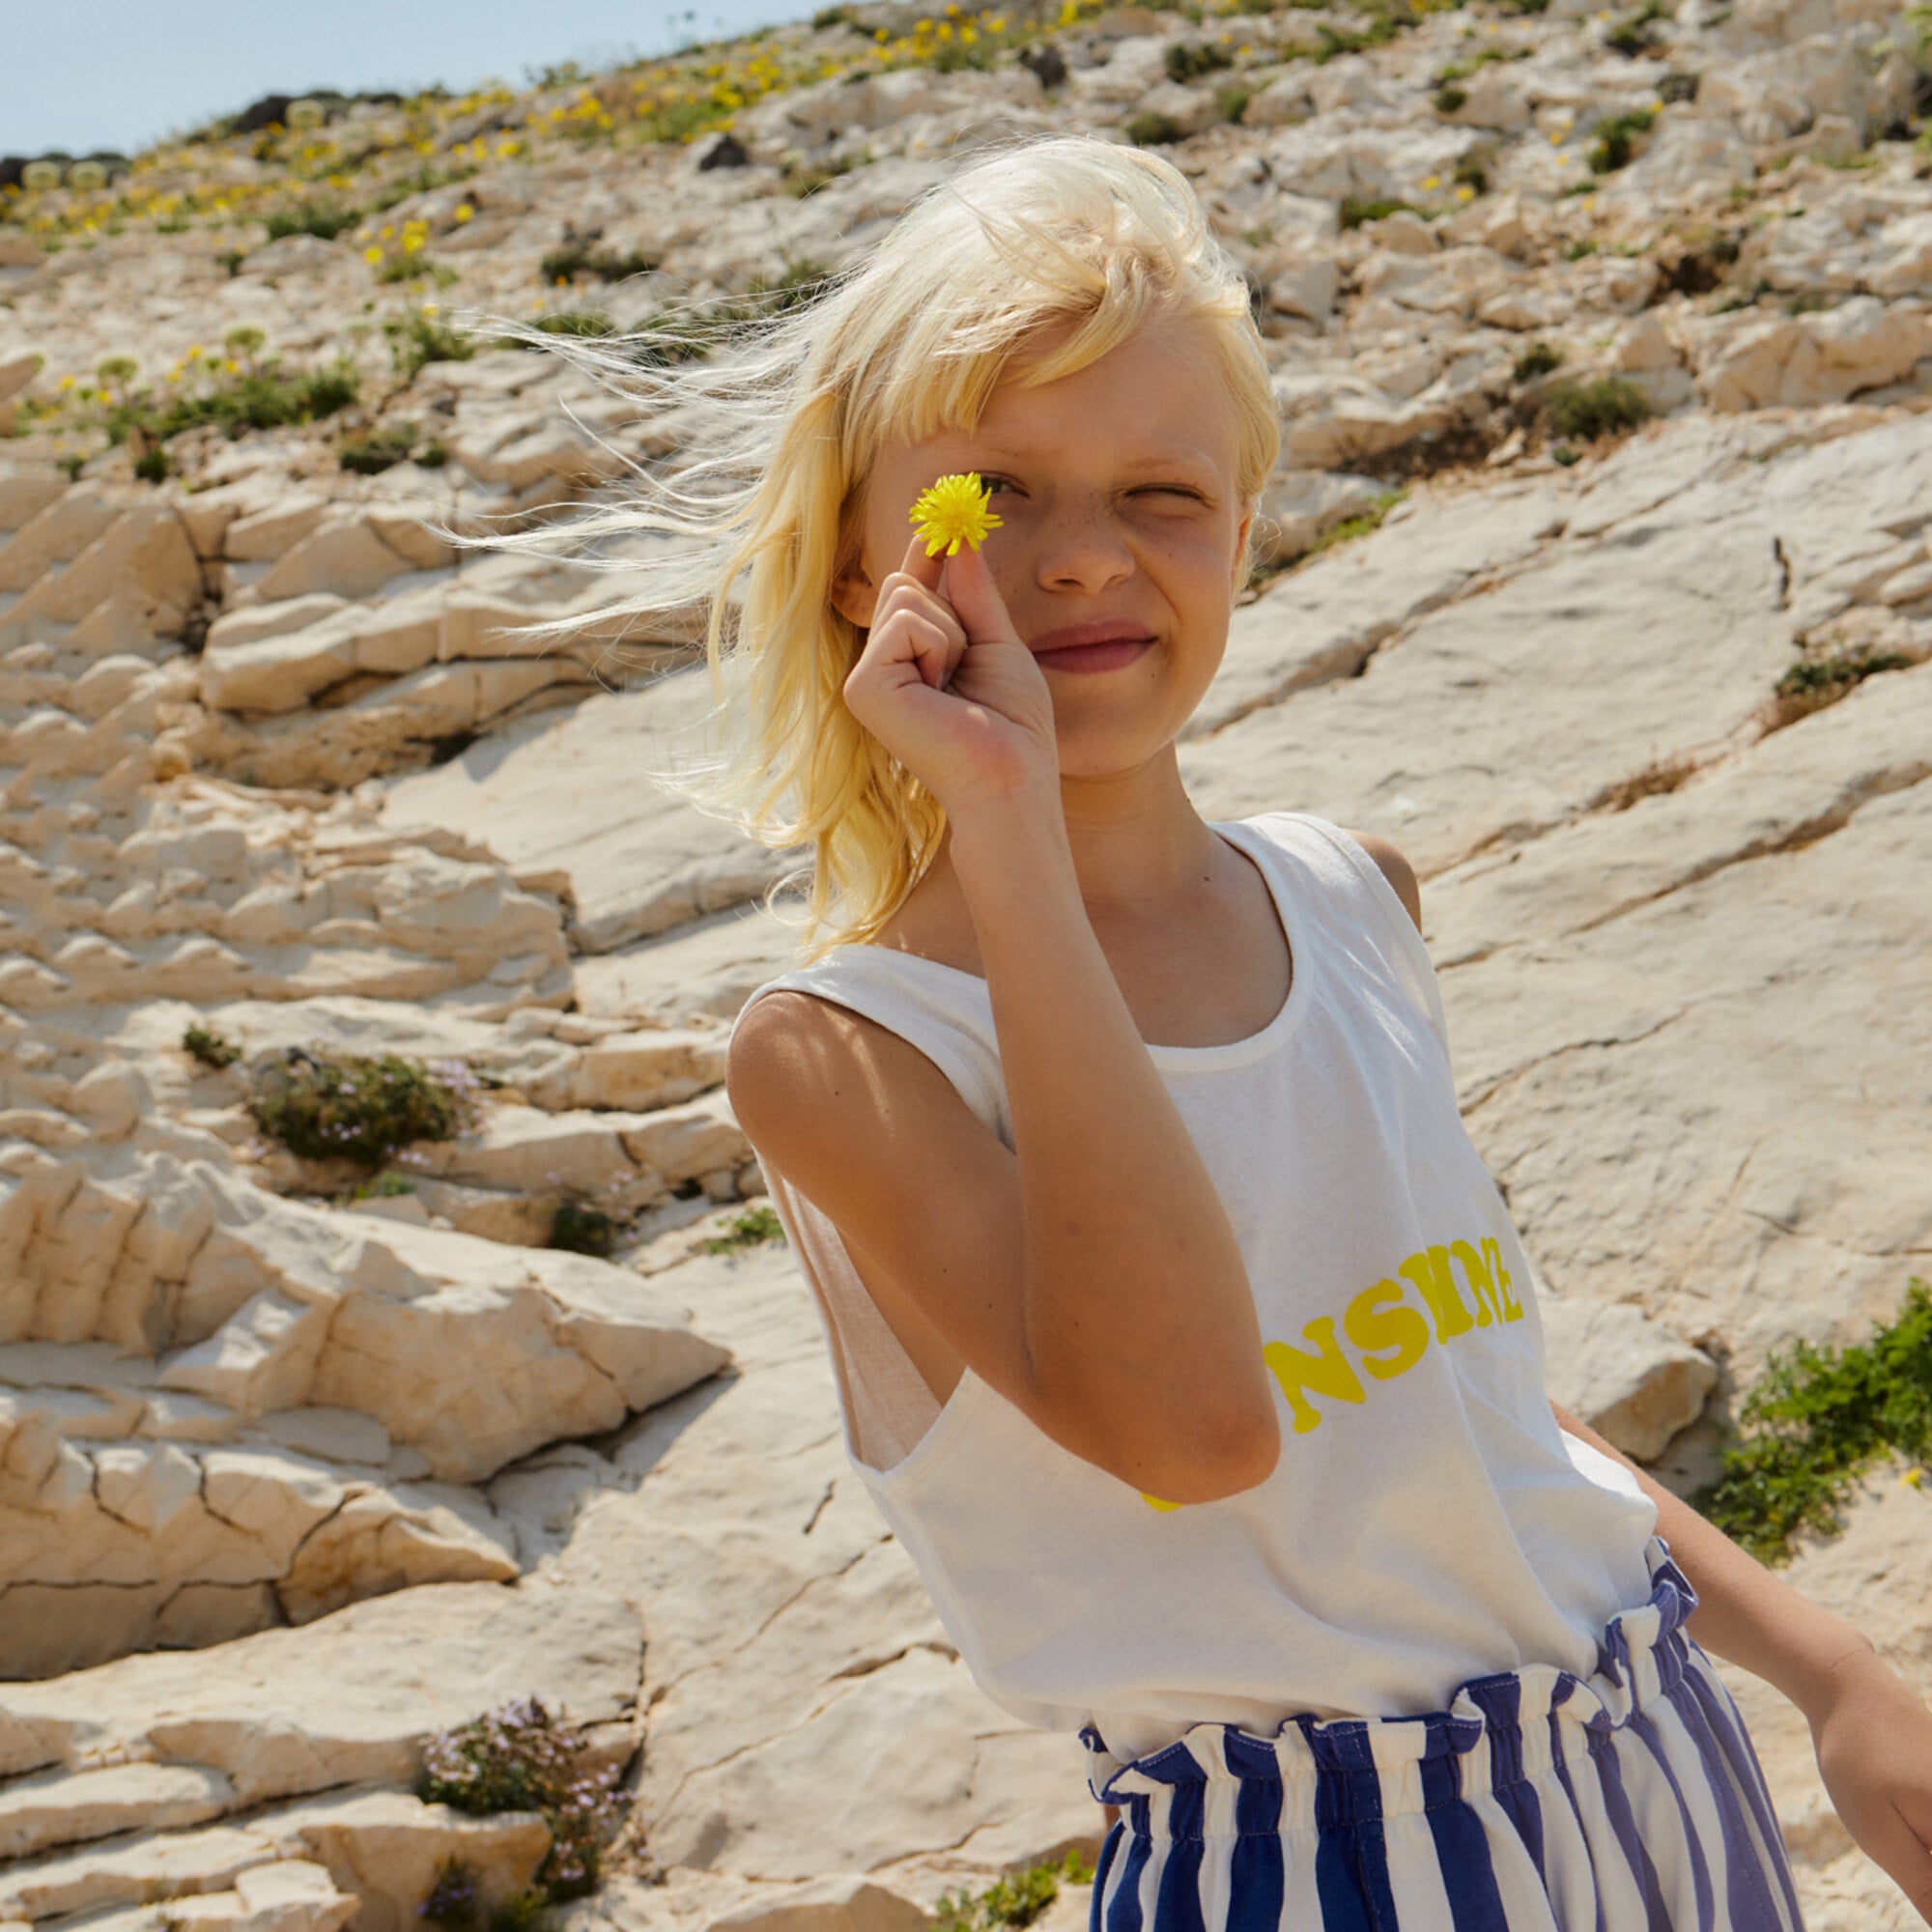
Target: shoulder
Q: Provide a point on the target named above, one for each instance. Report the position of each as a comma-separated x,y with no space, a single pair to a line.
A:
1396,869
798,1062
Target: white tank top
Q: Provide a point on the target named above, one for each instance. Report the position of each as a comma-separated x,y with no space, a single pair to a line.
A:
1428,1521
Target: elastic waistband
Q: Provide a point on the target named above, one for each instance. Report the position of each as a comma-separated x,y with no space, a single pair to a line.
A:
1496,1731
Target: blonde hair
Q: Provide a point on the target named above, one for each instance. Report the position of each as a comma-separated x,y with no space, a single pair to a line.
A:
1065,228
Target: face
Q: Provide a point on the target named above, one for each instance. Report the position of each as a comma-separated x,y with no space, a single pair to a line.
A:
1115,487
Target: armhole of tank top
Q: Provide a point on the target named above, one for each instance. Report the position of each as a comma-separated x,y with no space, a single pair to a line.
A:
887,1409
1410,955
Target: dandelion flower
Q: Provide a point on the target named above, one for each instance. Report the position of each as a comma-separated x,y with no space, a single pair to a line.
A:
1914,1477
953,512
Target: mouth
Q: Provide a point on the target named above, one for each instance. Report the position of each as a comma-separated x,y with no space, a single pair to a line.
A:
1085,647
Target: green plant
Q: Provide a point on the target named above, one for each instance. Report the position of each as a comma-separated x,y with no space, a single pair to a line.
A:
381,1188
1567,456
1014,1899
1359,208
1470,173
747,1229
324,219
1814,683
1189,60
521,1758
1154,130
523,1912
1537,360
420,338
581,322
209,1047
1615,139
579,1229
321,1105
1817,1418
1584,411
1362,523
1231,102
1578,251
578,258
379,450
1449,98
1632,36
152,465
452,1898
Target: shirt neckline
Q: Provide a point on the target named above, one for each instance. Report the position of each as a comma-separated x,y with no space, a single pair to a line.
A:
1240,833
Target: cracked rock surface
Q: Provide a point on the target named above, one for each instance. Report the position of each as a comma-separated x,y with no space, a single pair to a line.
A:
296,1470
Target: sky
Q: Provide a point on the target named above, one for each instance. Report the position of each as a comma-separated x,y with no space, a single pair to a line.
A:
123,73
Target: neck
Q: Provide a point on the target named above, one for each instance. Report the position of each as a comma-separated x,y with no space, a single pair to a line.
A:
1138,844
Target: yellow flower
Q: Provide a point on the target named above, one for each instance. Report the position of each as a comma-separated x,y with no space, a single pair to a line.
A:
1465,193
1914,1477
463,212
951,512
1431,181
371,254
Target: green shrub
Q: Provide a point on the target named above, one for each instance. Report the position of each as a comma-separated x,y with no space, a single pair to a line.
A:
1361,525
379,450
1358,209
1015,1900
1449,98
1633,36
152,465
1615,138
583,321
322,1105
521,1758
262,396
1231,102
577,258
325,220
1189,60
209,1047
1537,360
1818,1417
1154,130
452,1899
420,338
747,1229
1584,411
579,1229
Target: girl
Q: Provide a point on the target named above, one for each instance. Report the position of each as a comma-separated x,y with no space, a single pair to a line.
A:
1181,1334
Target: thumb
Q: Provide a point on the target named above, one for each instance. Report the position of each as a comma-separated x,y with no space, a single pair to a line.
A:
968,586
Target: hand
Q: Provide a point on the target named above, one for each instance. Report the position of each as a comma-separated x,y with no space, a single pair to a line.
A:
1874,1743
946,684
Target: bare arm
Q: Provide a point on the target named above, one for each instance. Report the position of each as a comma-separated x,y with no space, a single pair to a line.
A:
1745,1613
1089,1274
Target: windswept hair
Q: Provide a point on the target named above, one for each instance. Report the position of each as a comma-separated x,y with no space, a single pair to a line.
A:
911,341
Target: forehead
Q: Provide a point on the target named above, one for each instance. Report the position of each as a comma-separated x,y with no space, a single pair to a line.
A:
1159,397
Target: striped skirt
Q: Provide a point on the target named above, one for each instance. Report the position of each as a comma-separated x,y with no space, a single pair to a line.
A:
1538,1802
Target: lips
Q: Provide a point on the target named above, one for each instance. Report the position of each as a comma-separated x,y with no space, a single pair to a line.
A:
1102,646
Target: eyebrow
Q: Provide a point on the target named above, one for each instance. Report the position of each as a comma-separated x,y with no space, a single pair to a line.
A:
1172,456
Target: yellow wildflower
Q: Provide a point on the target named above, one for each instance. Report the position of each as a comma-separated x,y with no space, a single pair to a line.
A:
951,512
463,212
1914,1477
1431,181
371,254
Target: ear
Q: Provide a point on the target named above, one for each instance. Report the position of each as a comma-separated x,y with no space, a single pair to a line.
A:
1241,542
854,595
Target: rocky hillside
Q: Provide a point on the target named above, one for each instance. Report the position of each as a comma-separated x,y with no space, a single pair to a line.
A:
390,1323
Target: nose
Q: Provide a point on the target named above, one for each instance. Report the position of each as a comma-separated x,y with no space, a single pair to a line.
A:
1081,547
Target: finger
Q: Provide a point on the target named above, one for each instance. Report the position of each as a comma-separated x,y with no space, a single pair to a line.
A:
919,568
901,594
970,589
910,636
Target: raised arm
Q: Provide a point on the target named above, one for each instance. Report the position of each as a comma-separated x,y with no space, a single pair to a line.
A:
1091,1274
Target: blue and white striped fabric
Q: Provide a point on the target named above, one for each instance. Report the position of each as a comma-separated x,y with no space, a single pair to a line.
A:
1538,1802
